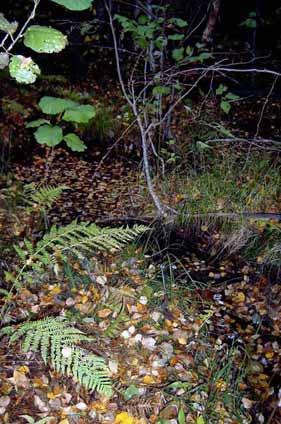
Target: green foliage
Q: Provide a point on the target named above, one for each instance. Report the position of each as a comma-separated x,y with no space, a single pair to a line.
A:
76,5
41,39
104,125
226,98
49,135
68,111
56,342
80,114
74,142
75,239
23,69
42,197
44,39
249,191
55,105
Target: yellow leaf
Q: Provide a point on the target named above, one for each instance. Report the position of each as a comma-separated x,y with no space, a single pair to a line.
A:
64,421
239,297
55,290
148,379
124,418
23,369
99,405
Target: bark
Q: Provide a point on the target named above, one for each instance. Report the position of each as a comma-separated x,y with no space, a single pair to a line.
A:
212,21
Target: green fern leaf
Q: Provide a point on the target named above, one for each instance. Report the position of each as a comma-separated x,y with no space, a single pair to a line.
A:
56,341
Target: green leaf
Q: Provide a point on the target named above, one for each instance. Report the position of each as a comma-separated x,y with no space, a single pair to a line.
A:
204,56
74,4
74,142
130,392
37,123
181,416
160,42
231,96
143,19
176,37
178,54
179,22
80,114
189,51
44,39
6,26
225,106
221,89
249,23
161,90
23,69
49,135
54,105
200,420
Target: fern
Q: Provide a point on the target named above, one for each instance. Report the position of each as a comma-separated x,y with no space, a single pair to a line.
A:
75,239
43,197
56,342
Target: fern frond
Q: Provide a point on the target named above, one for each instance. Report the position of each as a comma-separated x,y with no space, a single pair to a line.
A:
44,197
76,239
56,341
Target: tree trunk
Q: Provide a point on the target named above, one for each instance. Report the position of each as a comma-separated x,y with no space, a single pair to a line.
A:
212,20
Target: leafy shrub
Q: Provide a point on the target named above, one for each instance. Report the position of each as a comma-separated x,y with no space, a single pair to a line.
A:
65,110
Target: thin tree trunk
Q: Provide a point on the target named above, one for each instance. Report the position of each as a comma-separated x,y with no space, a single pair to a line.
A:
212,21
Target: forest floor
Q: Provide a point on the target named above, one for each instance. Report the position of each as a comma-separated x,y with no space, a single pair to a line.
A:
188,338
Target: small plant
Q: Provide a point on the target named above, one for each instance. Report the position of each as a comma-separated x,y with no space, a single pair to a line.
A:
64,111
226,98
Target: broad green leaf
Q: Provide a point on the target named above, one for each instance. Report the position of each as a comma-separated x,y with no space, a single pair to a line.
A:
37,123
49,135
200,420
231,96
54,105
221,89
6,26
74,4
178,54
4,60
181,416
225,106
161,90
179,22
80,114
23,69
74,142
176,37
44,39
